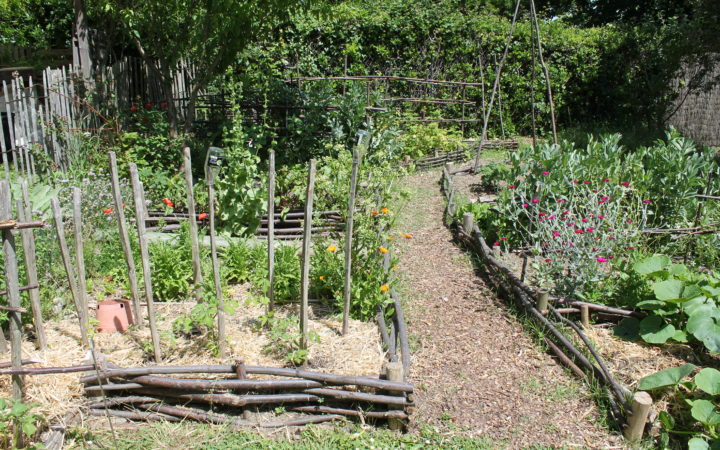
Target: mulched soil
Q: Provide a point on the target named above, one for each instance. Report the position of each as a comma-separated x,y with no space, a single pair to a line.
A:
475,369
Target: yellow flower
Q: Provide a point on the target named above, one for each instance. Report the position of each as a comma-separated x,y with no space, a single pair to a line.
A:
332,249
408,236
383,250
385,211
384,287
390,238
321,277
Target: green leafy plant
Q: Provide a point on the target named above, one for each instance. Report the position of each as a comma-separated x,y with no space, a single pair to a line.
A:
17,420
284,337
697,405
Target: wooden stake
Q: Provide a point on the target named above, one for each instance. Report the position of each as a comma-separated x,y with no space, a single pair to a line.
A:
195,246
139,200
348,240
394,371
80,255
60,229
271,230
545,70
542,300
215,265
125,239
13,285
636,422
28,237
585,316
468,222
305,275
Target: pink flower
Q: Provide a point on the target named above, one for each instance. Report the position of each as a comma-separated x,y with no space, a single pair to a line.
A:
595,191
610,257
538,201
566,212
590,230
540,219
606,179
570,224
601,217
542,214
631,248
646,201
545,172
556,234
625,183
548,260
576,181
586,182
512,186
579,231
525,205
584,219
601,259
605,198
551,217
628,221
503,239
496,244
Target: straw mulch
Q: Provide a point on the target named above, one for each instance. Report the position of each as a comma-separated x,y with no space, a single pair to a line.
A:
357,353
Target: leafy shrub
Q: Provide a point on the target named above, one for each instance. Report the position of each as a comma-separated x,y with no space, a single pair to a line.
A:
421,139
17,420
284,336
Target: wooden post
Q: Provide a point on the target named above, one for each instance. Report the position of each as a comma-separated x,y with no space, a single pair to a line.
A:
394,372
636,422
305,275
125,239
13,288
271,230
216,267
241,374
585,316
468,222
542,300
348,240
80,256
197,267
28,237
60,229
139,200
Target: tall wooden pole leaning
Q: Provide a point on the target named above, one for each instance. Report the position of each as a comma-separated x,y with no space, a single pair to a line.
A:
13,288
195,246
305,274
271,230
215,265
28,237
139,200
348,239
80,256
498,71
65,253
125,239
533,15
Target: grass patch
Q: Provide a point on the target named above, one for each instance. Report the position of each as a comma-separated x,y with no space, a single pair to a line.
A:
198,436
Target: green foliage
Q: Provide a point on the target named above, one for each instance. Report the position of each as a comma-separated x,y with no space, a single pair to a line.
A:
420,139
17,420
684,307
702,396
202,319
171,267
284,338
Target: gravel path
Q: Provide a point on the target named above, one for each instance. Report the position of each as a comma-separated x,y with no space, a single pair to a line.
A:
475,369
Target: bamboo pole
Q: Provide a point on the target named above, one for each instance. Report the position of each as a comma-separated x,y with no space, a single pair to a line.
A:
125,239
11,123
195,246
12,283
25,213
139,200
349,239
271,230
216,266
60,229
80,255
305,275
545,70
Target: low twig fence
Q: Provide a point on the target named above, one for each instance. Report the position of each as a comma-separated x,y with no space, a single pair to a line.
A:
460,155
535,304
140,394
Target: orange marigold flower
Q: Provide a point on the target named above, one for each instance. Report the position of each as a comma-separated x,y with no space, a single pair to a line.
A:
321,277
385,211
408,236
383,250
108,210
202,216
168,202
384,287
394,267
390,238
374,213
332,249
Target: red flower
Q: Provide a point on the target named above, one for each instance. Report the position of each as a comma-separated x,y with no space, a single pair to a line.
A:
606,179
586,182
646,201
541,214
202,216
548,260
538,201
503,239
512,186
133,108
579,231
545,172
590,230
601,259
495,244
584,219
148,105
168,202
625,183
631,248
108,210
525,205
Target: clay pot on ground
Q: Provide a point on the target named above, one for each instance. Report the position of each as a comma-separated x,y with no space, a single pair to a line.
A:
114,316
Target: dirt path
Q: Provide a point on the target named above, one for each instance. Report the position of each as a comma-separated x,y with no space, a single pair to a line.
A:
474,367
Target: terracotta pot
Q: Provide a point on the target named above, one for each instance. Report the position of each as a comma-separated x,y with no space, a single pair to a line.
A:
113,316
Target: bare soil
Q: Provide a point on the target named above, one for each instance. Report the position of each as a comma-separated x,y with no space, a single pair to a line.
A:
475,368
